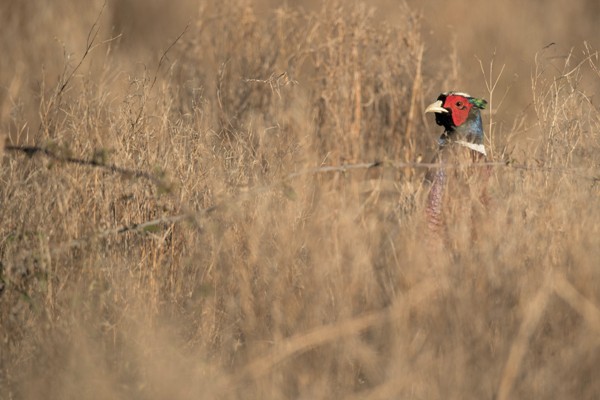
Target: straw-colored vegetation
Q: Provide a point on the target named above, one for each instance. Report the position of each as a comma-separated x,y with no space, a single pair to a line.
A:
171,226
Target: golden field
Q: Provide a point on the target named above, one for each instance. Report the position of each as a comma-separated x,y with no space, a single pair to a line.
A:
225,200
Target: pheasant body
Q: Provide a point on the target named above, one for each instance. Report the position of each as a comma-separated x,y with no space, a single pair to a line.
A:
461,143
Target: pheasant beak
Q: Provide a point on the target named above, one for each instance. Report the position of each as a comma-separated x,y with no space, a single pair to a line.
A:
436,108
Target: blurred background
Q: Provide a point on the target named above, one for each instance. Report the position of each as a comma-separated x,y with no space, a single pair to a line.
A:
509,33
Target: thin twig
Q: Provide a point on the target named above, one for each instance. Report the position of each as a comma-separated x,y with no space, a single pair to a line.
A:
164,54
142,227
94,162
490,84
89,45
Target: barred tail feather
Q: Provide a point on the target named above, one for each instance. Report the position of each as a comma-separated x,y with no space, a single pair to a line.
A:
434,202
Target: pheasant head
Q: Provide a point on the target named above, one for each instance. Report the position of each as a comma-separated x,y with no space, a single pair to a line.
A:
459,114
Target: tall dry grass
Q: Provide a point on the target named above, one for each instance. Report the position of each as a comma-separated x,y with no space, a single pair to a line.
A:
176,232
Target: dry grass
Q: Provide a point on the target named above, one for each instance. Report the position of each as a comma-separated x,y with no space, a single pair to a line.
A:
174,234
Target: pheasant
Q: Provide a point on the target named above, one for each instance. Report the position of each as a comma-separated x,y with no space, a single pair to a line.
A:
461,143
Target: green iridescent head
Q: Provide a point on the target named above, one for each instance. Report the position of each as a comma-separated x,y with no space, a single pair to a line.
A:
479,103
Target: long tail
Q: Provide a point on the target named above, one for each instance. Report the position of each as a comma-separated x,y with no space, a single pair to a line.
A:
434,201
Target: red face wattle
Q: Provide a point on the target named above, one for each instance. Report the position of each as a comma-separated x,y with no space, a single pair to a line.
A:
459,107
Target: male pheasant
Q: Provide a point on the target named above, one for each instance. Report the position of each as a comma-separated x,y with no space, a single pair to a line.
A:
460,144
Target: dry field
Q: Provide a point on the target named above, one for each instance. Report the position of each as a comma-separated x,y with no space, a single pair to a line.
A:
190,207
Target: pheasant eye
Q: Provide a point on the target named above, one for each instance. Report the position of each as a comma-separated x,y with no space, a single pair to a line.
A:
459,104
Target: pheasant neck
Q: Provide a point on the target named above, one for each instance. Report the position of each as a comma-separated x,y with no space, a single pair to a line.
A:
478,147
